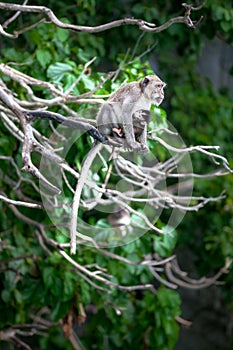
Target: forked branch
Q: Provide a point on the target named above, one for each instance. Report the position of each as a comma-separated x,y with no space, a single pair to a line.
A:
142,25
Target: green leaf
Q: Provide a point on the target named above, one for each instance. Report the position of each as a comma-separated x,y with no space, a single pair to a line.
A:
88,83
164,244
103,223
226,26
57,71
60,310
62,34
170,238
169,299
68,286
82,55
48,276
5,146
44,57
6,296
18,296
129,248
85,293
69,80
137,220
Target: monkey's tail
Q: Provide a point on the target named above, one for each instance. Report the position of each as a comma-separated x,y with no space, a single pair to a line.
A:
72,123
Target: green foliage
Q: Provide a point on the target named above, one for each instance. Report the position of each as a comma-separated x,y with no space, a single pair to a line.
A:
221,13
168,307
149,321
164,244
57,71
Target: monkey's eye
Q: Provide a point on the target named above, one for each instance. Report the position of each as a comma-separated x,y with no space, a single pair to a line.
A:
161,86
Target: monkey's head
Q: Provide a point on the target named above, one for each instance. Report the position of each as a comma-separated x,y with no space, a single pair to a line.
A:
152,88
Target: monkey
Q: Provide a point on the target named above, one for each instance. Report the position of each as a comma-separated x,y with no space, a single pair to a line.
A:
124,117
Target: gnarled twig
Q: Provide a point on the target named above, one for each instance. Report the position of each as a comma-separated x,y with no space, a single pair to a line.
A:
142,25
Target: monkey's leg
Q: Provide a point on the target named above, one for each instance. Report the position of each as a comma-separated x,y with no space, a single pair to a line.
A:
131,143
128,120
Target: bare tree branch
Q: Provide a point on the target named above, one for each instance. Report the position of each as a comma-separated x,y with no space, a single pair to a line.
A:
13,18
11,334
99,278
180,278
142,25
23,204
169,266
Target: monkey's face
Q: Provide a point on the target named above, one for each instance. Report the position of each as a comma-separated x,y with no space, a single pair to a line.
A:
157,95
153,89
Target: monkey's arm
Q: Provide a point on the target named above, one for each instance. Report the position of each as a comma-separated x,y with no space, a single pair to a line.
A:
127,121
92,131
141,119
143,138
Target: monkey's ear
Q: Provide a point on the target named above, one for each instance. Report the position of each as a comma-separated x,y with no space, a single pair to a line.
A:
143,83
